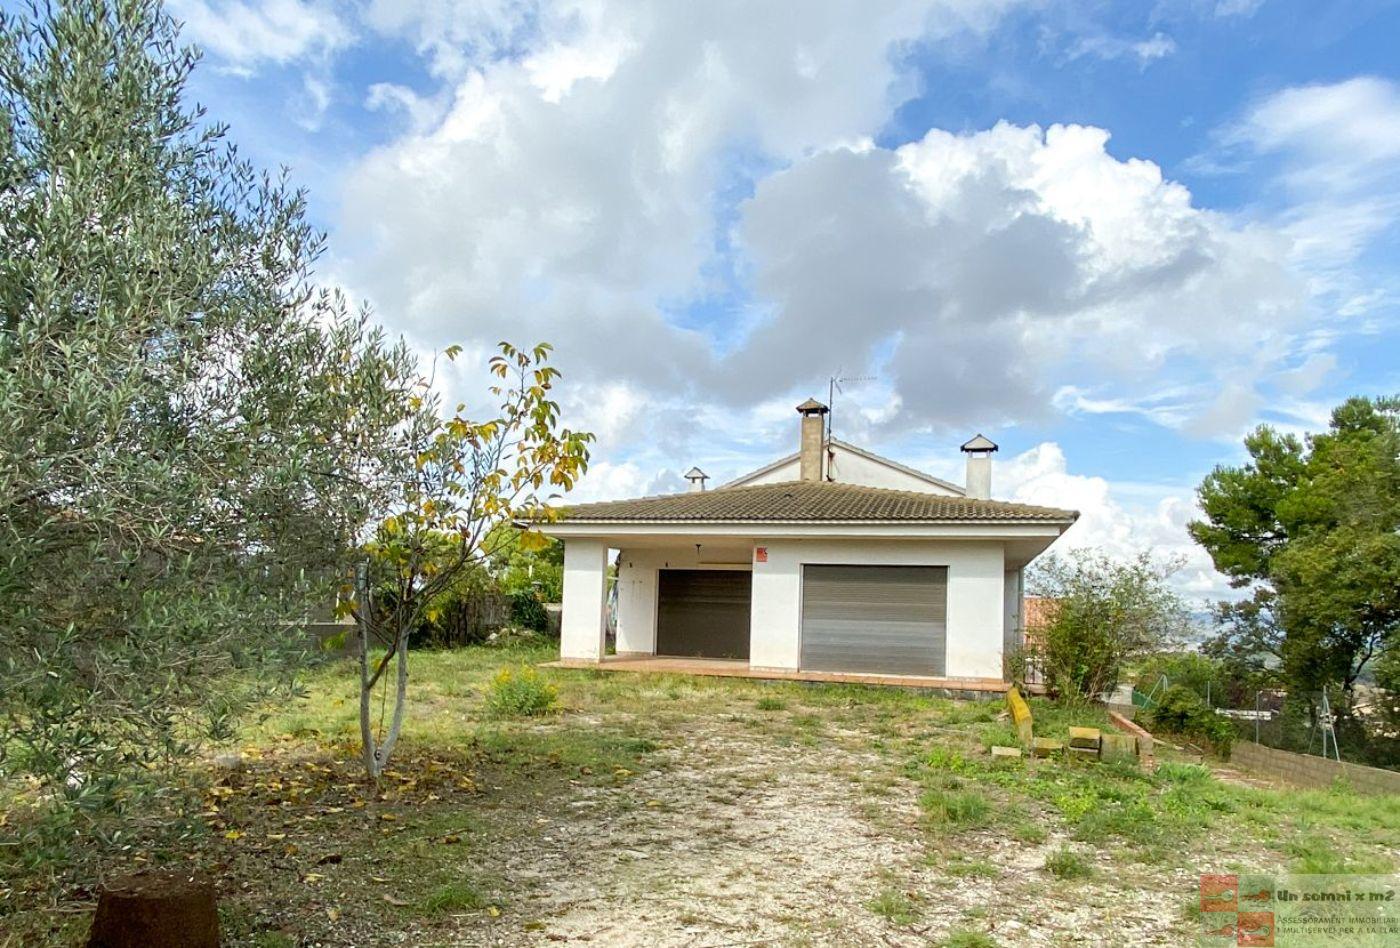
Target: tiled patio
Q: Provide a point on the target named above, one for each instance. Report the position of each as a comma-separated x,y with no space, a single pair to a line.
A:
738,668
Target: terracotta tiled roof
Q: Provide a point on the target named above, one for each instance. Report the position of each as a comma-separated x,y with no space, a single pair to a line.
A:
811,501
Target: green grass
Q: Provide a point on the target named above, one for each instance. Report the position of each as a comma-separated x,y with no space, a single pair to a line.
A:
967,938
606,730
896,906
459,896
1065,863
955,808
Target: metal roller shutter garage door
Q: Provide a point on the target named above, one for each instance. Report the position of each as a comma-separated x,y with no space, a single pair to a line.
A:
882,619
704,612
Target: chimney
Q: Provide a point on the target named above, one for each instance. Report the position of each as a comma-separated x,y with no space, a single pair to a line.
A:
979,467
697,479
812,446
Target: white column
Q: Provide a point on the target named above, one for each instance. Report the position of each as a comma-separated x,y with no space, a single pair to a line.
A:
582,628
976,610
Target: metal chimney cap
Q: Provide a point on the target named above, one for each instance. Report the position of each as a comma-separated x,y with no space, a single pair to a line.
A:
694,473
979,444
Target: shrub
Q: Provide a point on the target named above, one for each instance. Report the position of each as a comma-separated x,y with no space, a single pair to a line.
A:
527,611
1182,711
520,692
1191,670
1106,614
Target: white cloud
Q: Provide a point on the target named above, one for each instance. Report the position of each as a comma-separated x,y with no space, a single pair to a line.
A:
578,178
1335,149
246,34
1120,519
1009,264
1143,51
1239,8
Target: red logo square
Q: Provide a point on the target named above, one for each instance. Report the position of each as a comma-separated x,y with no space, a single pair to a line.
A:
1219,893
1255,928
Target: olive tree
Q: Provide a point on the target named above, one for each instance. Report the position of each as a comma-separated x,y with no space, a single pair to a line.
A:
192,432
467,478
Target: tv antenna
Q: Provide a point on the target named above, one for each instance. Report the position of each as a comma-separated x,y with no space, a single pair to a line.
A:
835,384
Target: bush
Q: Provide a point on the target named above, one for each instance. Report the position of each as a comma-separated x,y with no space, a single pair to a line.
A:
1107,613
520,692
527,611
1181,711
1191,670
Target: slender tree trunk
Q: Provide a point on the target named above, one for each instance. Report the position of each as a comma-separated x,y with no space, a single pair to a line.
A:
400,700
367,749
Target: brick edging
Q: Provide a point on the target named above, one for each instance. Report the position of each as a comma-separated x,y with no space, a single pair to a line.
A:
1145,740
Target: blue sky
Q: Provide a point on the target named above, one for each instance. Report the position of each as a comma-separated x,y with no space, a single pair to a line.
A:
1113,237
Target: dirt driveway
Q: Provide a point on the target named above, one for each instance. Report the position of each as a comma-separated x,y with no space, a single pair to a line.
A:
789,829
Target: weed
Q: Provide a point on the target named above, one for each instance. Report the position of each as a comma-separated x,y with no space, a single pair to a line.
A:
968,938
769,703
955,807
895,906
520,692
459,896
972,869
1065,863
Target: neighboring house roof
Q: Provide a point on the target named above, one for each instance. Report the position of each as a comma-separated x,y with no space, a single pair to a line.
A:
1039,611
847,446
809,502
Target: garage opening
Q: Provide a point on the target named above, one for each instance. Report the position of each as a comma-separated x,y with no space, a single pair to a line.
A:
704,613
890,620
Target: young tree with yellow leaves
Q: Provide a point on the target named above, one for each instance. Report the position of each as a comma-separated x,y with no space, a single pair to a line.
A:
460,480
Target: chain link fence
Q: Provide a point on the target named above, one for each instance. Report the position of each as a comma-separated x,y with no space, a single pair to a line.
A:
1365,730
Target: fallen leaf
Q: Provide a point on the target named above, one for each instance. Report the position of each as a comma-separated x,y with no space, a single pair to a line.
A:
393,901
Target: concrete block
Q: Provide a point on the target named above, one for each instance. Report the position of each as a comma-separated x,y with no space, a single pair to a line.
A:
1046,747
1118,747
1084,753
1000,751
1084,737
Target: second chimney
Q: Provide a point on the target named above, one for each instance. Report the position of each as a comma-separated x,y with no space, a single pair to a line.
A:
812,448
979,467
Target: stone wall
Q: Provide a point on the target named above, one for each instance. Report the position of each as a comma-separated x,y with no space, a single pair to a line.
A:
1307,770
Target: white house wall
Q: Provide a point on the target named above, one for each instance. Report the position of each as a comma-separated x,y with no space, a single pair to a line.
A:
581,629
1013,628
976,584
849,467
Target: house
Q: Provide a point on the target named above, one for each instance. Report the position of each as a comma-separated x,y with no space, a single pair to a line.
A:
832,563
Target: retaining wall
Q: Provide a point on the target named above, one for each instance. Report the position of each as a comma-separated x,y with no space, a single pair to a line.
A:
1307,770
